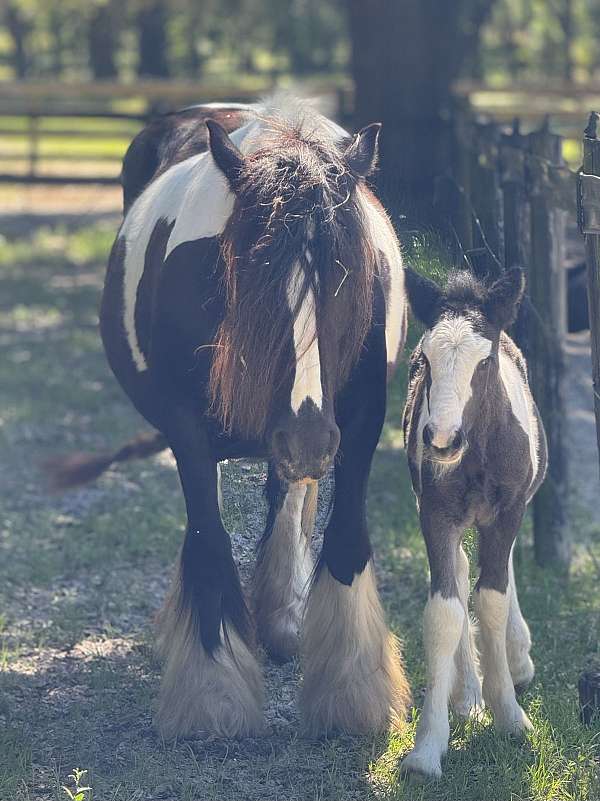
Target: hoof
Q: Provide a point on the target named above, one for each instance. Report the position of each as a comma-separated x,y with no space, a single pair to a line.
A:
512,720
422,764
468,702
522,675
280,640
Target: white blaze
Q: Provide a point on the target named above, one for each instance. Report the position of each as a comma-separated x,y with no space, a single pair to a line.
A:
453,350
307,381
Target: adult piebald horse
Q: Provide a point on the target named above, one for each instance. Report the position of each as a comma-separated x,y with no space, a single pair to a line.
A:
254,305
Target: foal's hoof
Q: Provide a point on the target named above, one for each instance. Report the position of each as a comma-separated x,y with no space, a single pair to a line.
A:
512,720
522,675
468,702
421,764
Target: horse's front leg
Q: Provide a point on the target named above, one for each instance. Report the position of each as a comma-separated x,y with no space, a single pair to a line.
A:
353,675
443,627
211,679
493,607
284,564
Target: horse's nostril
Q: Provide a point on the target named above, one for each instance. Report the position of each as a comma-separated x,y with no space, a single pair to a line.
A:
428,435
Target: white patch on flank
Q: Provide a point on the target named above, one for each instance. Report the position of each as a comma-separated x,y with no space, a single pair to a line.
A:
196,195
443,622
492,608
307,381
453,350
384,239
521,404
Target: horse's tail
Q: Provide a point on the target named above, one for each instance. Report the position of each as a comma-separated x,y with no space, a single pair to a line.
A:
78,468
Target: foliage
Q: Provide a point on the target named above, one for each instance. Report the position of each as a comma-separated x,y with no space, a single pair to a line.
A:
522,39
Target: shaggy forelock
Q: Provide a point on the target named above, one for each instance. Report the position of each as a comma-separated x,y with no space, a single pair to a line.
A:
294,192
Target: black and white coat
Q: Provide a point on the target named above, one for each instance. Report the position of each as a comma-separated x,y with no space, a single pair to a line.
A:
163,305
477,454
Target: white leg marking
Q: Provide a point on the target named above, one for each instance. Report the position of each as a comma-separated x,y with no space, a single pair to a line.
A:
466,698
492,609
282,577
443,623
221,694
353,675
518,638
307,381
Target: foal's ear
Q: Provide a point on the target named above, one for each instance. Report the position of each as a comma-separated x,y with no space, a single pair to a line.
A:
504,297
424,296
226,155
361,153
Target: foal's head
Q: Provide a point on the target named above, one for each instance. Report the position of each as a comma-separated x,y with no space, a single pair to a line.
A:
298,270
460,349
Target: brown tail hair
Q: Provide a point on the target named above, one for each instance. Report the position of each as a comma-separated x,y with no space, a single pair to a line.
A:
78,468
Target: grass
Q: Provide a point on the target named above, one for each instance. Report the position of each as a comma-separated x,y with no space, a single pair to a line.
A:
81,576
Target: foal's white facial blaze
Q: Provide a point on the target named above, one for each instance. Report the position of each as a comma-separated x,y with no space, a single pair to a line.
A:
453,350
307,381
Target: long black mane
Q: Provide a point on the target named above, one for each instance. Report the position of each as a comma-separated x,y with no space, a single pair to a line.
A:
296,204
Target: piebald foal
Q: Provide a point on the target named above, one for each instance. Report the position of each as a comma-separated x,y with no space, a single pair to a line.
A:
477,454
254,304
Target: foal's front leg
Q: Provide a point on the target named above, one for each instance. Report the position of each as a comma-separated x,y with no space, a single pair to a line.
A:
284,564
353,675
518,637
211,679
443,625
466,698
492,604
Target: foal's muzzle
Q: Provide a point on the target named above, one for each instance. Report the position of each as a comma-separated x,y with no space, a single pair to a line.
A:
448,453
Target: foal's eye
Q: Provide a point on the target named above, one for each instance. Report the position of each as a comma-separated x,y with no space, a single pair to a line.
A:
486,362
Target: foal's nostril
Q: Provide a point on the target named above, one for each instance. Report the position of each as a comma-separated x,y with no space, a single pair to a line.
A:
457,441
428,435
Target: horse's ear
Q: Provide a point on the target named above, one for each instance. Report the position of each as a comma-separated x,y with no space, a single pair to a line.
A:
361,153
504,297
424,296
227,156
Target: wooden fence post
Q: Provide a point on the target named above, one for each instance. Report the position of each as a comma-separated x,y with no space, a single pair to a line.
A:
486,194
547,328
589,223
517,218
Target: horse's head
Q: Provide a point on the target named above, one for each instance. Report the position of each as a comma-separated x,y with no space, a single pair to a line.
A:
298,267
460,350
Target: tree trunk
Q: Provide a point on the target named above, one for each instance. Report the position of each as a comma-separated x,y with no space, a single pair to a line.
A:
405,59
103,41
18,28
153,45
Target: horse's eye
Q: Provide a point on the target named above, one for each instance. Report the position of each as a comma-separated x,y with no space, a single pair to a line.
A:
486,362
